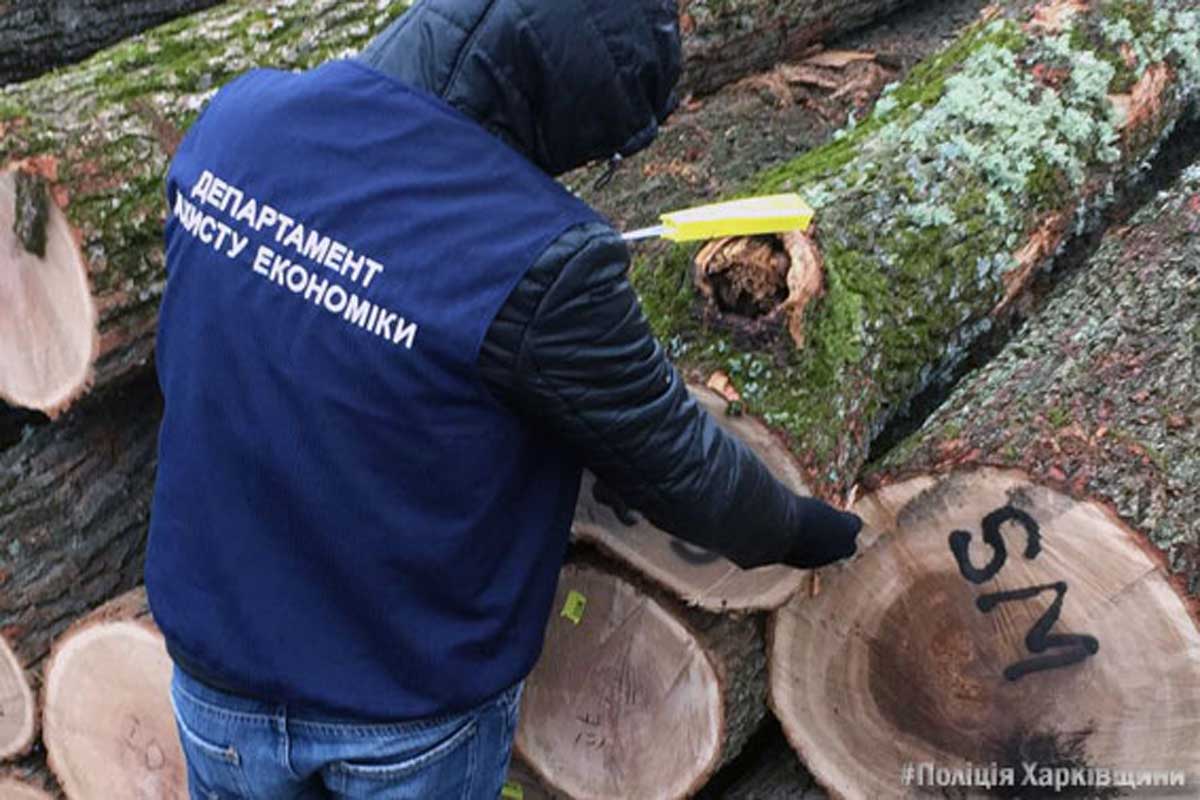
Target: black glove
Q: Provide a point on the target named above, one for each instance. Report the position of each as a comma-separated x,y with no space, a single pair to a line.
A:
607,497
825,535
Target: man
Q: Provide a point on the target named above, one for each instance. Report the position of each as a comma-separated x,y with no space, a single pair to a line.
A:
389,343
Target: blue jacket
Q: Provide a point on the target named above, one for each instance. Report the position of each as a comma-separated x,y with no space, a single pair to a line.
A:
313,391
344,518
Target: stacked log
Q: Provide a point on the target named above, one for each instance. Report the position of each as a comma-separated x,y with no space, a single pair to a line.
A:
621,665
726,41
108,729
74,507
39,35
971,280
851,339
1031,591
107,721
866,316
81,227
84,152
934,214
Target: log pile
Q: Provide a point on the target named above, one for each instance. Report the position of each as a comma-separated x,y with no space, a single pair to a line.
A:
726,41
82,152
622,664
971,277
935,213
1031,593
74,506
87,150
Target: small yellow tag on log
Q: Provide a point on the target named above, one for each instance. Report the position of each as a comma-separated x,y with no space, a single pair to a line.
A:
772,214
573,608
512,791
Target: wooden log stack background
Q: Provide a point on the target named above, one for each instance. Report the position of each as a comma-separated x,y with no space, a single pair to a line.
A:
1029,582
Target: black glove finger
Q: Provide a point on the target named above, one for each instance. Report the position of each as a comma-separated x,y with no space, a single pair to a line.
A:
607,497
851,526
826,535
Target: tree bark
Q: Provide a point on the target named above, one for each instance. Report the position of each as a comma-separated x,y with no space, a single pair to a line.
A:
1071,634
725,41
105,178
107,723
39,35
775,773
13,424
1096,396
633,664
90,145
74,507
933,215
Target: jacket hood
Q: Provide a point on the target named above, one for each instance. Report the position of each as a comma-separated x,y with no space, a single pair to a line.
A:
564,81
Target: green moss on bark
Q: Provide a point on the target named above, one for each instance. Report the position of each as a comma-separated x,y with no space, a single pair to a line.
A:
921,209
105,130
1096,394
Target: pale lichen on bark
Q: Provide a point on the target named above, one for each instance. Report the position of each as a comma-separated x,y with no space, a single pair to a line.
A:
1097,393
927,207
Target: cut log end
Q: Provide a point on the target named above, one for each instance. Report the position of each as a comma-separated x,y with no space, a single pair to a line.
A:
697,576
753,283
48,334
18,711
107,723
991,621
593,715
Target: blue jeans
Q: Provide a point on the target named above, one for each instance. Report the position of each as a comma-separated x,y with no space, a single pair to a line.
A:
243,749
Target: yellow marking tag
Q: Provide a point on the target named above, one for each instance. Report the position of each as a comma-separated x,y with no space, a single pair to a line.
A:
512,791
772,214
573,608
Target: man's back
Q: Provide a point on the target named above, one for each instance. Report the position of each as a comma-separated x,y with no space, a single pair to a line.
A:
342,509
369,460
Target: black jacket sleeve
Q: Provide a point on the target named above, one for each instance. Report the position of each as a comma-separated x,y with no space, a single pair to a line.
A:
572,353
